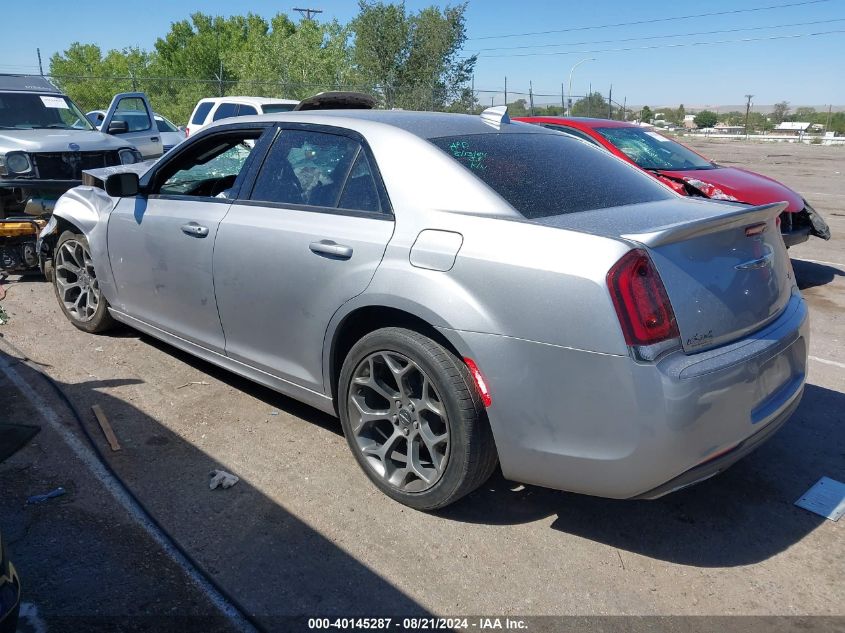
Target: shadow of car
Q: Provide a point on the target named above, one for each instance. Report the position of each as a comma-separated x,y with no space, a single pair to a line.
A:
10,593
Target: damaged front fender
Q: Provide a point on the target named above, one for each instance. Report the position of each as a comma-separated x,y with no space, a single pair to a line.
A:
82,210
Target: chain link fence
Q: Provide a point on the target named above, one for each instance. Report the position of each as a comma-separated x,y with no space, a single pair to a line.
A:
175,97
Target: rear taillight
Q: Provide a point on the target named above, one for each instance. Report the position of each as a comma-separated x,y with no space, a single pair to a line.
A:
187,131
641,302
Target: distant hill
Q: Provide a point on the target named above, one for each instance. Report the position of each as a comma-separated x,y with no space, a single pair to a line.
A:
762,108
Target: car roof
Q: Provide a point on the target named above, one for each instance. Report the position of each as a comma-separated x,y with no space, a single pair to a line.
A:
580,122
423,124
26,83
248,100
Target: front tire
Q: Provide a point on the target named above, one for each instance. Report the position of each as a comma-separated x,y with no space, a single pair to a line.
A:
76,285
414,420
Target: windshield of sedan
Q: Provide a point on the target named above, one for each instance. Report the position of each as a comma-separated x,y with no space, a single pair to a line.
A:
651,150
27,111
542,175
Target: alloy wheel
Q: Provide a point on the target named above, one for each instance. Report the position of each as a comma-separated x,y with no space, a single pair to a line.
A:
398,421
76,281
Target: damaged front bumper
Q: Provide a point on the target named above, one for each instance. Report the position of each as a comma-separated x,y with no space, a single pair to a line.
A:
797,227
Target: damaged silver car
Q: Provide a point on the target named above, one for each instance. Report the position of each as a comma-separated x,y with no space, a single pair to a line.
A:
459,290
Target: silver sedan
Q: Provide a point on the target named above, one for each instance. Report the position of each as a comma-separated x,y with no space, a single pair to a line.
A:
460,290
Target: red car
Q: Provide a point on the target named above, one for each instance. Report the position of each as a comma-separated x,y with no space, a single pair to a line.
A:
691,174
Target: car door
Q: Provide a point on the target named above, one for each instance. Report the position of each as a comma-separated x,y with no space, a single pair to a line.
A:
161,242
313,229
133,109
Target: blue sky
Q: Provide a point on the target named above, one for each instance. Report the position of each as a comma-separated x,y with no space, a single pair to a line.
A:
805,70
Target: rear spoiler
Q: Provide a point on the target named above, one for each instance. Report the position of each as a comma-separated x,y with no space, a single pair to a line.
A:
681,231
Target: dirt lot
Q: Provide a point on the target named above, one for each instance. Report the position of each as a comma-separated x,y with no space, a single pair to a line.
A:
305,533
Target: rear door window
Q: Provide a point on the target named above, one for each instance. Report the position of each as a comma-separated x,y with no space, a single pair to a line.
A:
202,111
306,168
543,174
225,110
246,110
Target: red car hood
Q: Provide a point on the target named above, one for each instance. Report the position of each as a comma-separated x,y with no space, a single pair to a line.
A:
745,186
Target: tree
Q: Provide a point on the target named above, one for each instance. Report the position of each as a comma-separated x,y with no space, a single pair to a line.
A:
805,114
781,109
680,113
646,115
518,108
593,104
413,59
705,119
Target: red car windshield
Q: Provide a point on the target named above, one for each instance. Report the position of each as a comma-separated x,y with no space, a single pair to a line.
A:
651,150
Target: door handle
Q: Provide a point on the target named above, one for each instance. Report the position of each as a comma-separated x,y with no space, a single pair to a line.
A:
195,230
154,139
331,249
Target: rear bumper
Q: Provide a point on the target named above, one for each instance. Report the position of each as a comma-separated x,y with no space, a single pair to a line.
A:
608,426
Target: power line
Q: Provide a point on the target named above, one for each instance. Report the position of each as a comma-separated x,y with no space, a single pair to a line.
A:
674,45
649,21
658,37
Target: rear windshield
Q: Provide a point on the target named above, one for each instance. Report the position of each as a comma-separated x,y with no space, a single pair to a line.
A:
271,108
542,175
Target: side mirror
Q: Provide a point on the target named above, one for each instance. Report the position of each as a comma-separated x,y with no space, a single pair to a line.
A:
182,128
118,127
123,185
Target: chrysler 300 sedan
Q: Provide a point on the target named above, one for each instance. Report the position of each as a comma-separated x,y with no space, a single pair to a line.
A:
460,290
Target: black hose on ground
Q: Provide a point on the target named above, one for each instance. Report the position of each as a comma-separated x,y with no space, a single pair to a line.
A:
234,602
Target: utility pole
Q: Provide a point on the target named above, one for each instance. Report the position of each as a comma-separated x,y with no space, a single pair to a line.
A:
506,91
531,97
625,108
827,125
220,80
562,100
589,99
747,112
472,96
307,13
40,67
610,103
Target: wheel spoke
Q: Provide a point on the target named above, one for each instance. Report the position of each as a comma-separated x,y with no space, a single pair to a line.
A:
402,431
76,280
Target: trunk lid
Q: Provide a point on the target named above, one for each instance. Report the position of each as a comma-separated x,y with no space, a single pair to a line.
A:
725,267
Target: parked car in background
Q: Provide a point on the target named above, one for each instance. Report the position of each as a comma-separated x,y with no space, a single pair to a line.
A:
592,332
10,592
45,143
170,134
215,108
689,173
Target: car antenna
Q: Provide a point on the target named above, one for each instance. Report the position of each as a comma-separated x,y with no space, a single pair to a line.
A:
497,115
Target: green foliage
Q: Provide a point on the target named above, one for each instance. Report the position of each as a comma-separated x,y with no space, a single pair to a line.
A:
781,109
593,105
705,119
646,114
412,60
732,118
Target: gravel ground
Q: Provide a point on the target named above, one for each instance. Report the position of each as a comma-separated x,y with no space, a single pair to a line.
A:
305,533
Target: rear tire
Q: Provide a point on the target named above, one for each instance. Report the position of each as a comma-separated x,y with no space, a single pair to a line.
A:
414,419
76,285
